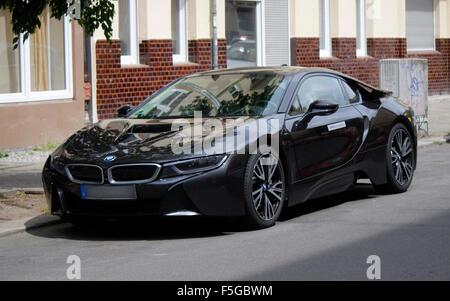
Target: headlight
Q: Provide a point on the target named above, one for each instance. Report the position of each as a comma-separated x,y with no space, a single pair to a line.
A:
56,165
192,166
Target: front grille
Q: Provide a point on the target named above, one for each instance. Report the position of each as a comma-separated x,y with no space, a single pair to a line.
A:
133,173
85,173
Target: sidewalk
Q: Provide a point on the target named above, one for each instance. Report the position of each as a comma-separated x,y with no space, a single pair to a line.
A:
21,173
26,224
438,121
439,115
20,176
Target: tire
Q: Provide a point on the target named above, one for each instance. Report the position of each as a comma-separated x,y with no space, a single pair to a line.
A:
264,189
400,160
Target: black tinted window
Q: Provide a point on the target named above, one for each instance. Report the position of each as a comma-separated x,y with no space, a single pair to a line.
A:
320,88
351,93
296,108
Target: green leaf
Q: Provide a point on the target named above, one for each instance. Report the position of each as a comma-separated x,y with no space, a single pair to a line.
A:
25,15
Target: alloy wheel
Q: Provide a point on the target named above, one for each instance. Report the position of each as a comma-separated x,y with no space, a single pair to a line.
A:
402,157
268,186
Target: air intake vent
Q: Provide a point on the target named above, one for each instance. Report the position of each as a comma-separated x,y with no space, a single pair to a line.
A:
85,173
133,173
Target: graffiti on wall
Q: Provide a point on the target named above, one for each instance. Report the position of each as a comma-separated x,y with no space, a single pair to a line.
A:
415,82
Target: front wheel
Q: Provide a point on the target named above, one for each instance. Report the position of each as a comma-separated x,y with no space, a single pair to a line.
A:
265,189
400,160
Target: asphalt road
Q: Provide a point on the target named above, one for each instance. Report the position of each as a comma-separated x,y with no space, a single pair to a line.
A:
20,175
325,239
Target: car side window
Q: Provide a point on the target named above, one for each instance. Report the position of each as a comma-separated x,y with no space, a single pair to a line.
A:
320,88
296,108
353,94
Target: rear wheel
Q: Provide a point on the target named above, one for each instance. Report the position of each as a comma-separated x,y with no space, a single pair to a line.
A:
400,160
265,190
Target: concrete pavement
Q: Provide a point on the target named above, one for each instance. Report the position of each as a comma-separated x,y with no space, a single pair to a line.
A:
324,239
439,115
27,224
20,176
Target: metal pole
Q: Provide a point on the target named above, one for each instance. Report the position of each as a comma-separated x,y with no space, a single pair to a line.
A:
88,71
215,48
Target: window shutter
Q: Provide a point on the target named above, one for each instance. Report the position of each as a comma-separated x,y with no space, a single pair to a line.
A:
276,35
419,24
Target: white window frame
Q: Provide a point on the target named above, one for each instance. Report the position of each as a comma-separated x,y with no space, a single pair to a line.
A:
361,21
182,30
133,58
260,36
325,5
26,95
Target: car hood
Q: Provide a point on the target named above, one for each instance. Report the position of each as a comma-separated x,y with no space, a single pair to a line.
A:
139,140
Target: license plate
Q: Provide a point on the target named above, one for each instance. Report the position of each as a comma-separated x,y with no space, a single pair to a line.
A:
108,192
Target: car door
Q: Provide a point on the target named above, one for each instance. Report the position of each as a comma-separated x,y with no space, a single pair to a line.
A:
323,142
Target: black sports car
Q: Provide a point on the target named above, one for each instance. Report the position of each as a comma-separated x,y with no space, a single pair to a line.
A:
316,132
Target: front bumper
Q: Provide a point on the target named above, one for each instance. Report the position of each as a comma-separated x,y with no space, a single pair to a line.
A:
218,192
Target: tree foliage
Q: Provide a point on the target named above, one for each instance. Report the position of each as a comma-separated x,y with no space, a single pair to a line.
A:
91,14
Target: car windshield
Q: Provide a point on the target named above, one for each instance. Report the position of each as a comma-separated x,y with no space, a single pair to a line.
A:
238,94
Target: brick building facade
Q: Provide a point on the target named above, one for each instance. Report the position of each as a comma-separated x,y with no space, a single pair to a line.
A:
387,33
306,53
118,85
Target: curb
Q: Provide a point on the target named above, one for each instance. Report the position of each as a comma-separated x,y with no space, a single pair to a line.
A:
19,226
35,191
424,142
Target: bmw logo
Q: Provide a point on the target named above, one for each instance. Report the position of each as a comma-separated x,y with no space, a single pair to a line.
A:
110,158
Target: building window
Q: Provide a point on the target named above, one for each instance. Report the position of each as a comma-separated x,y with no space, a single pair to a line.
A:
179,33
361,37
243,31
41,67
420,25
277,49
10,81
128,32
325,29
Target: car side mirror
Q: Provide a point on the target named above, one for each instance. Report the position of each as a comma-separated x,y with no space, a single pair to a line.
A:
323,107
123,111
